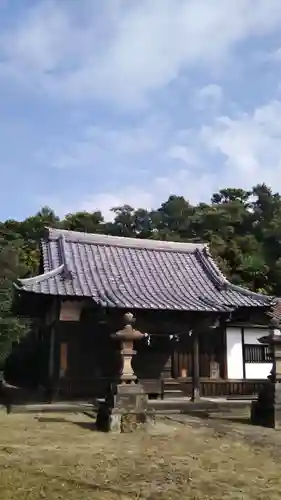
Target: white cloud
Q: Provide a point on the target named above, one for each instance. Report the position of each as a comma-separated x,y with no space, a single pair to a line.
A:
168,55
121,51
180,182
209,96
250,144
113,146
184,153
130,195
241,151
103,202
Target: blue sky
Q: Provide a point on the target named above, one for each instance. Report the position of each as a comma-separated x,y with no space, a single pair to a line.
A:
128,101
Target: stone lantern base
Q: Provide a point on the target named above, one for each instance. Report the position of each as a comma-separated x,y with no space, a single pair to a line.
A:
266,411
126,412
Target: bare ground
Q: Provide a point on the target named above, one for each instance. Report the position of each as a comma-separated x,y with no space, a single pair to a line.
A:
61,456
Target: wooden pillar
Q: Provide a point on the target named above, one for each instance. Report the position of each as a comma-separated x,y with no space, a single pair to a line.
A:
52,353
243,352
63,359
224,355
51,364
196,367
51,322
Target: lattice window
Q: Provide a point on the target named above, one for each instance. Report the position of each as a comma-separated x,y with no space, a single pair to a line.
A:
257,353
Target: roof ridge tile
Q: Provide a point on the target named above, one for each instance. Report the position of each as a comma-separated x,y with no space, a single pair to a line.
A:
122,241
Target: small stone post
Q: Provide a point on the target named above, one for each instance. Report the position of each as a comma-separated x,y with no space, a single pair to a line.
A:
267,409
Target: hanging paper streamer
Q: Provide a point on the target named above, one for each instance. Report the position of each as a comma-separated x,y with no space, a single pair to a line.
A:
174,338
147,338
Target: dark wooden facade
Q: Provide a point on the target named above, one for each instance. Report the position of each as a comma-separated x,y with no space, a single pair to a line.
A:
82,360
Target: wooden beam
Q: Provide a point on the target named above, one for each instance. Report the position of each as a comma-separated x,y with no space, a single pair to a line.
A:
53,320
224,343
52,353
51,367
196,366
243,352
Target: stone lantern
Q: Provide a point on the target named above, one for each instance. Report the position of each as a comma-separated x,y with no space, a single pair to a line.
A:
125,409
267,409
128,336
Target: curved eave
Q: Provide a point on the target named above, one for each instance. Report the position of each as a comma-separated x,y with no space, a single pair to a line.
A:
267,300
255,299
168,302
30,284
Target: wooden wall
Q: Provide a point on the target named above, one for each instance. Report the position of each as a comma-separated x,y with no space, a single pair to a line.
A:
86,358
87,355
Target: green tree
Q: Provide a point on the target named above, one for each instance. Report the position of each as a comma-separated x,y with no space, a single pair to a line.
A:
11,327
87,222
266,214
130,222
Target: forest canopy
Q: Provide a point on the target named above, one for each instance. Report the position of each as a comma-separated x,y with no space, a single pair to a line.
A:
242,228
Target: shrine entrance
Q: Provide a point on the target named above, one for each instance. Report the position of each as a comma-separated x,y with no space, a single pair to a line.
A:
212,362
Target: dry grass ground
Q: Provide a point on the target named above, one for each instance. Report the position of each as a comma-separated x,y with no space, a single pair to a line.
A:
60,456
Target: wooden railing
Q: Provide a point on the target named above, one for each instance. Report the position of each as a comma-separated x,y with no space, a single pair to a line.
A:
163,388
82,387
214,388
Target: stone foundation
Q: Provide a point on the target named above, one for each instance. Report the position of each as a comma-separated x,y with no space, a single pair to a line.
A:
266,411
129,412
129,422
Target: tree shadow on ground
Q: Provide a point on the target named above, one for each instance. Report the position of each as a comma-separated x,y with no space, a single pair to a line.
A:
91,426
52,420
225,417
235,420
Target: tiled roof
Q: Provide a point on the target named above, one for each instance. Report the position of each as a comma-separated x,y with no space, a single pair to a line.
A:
275,311
135,273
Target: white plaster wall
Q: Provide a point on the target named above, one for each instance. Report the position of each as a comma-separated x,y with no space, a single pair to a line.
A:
251,335
234,353
256,370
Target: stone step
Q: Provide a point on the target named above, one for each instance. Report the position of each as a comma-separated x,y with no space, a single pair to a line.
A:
173,393
171,383
173,402
50,408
